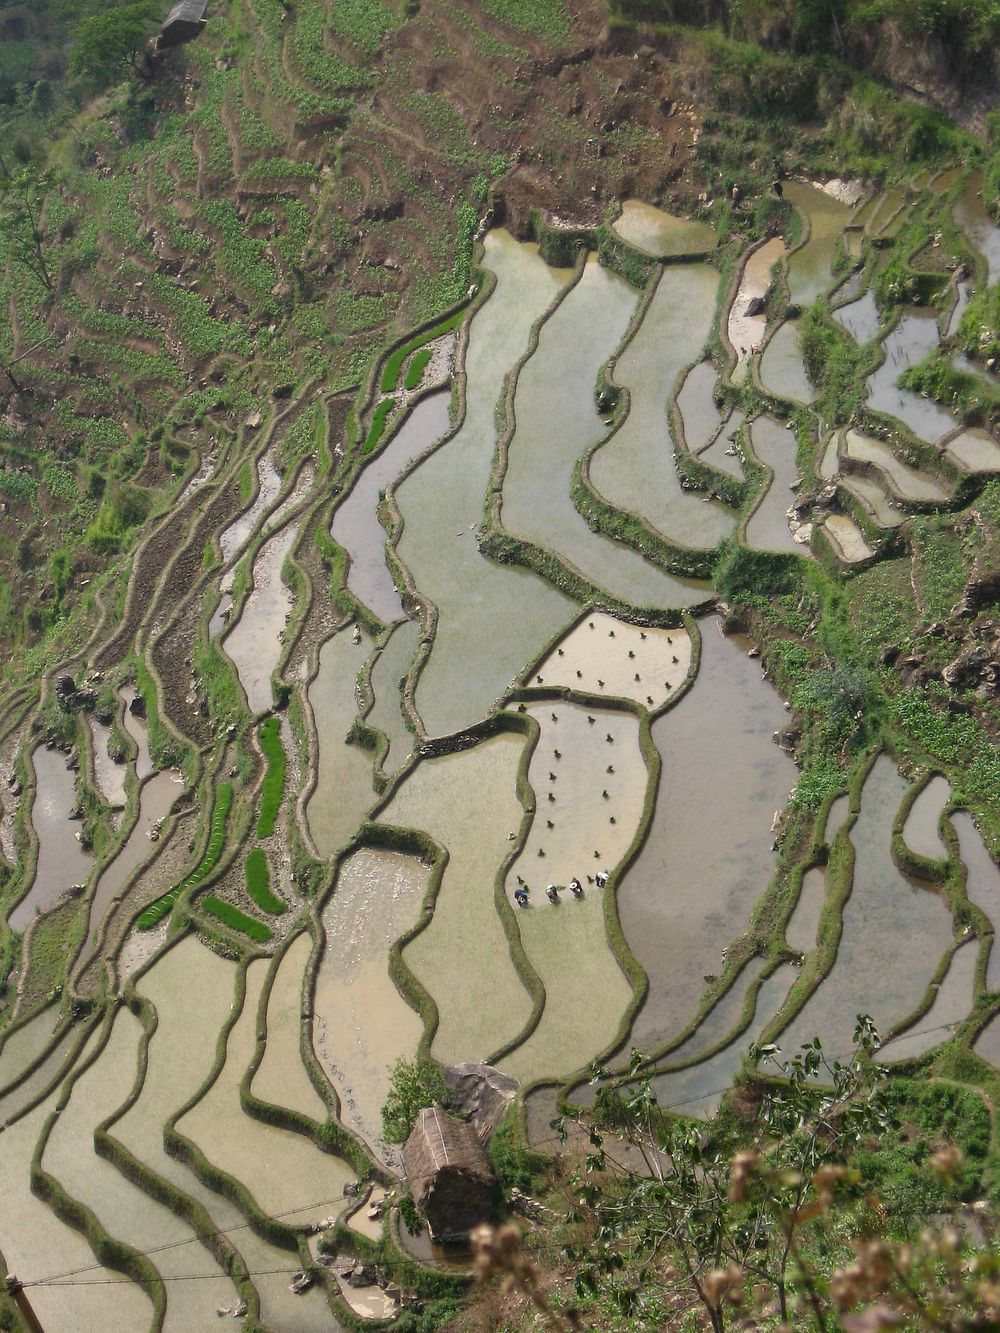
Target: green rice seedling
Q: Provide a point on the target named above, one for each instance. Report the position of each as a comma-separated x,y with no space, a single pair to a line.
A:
157,910
235,919
258,879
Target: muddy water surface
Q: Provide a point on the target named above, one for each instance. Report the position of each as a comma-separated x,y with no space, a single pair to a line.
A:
36,1244
355,524
781,368
767,528
860,318
873,500
910,484
442,505
723,453
62,862
893,936
803,925
910,342
699,413
975,451
952,1005
467,802
598,776
284,1172
699,1089
981,229
982,883
156,800
125,1210
11,1103
362,1024
254,643
921,832
635,469
557,423
690,892
847,538
810,268
109,775
343,791
136,727
386,714
281,1076
661,234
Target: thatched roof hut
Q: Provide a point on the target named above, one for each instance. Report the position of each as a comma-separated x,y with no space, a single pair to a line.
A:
184,22
450,1177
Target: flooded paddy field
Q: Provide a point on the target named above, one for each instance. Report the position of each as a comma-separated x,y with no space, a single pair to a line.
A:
575,834
635,469
895,932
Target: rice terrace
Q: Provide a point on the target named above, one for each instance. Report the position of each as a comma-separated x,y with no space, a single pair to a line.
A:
500,534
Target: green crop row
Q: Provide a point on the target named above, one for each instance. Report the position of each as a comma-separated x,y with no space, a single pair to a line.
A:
258,879
273,788
416,368
157,910
390,375
378,424
235,919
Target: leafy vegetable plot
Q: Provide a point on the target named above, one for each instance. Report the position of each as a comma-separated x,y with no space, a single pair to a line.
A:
157,910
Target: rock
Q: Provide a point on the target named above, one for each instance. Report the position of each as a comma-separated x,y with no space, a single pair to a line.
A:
361,1275
138,706
755,306
300,1282
253,420
352,1189
480,1095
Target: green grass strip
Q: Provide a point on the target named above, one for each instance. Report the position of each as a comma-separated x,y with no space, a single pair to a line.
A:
235,919
390,375
157,910
378,423
259,884
416,368
273,789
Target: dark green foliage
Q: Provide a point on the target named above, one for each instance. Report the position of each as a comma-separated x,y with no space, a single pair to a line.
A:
107,45
273,788
235,919
964,394
833,362
258,880
413,1085
515,1165
741,573
157,910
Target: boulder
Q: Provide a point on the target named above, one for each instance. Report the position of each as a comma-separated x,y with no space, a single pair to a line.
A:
480,1095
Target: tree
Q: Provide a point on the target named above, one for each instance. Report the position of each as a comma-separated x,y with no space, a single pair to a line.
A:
22,194
107,45
413,1084
763,1217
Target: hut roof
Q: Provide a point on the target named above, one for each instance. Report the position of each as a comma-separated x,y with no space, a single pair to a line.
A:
186,11
438,1141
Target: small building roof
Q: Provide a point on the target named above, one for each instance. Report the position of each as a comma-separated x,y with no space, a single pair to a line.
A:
186,11
438,1142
